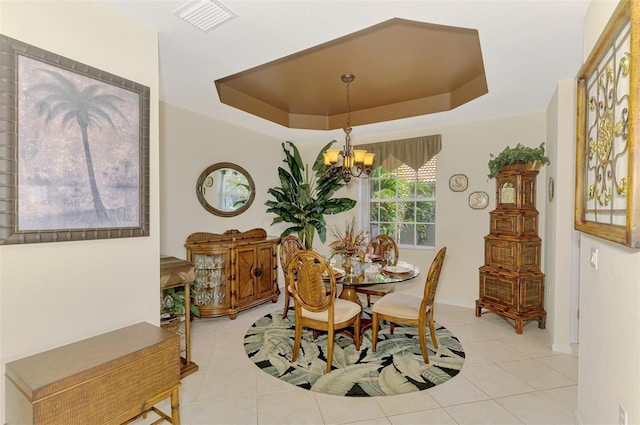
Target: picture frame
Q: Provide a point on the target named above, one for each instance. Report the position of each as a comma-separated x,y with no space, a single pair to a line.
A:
458,182
74,150
607,161
478,200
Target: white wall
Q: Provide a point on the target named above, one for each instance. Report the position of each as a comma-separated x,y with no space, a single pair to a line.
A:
465,150
558,232
609,370
189,143
55,293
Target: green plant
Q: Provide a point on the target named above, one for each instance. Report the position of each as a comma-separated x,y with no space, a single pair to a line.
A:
519,155
173,303
304,198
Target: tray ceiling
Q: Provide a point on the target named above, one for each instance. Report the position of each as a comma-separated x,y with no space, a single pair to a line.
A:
403,68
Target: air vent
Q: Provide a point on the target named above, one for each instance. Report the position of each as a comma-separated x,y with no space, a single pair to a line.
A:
205,14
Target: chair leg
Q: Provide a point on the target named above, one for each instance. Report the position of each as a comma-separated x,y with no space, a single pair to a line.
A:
368,300
432,331
392,327
286,302
374,336
330,336
422,334
357,338
296,342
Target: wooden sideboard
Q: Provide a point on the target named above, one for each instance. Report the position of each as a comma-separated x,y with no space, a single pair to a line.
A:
234,271
108,379
175,273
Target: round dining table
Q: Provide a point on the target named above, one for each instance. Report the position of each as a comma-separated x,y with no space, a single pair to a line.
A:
374,274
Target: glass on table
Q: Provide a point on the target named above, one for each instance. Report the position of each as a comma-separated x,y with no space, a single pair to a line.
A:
389,257
356,265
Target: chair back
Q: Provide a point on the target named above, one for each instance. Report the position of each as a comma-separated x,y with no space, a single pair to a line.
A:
433,277
289,246
383,243
308,288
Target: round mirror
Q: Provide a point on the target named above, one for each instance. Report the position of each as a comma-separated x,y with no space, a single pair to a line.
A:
225,189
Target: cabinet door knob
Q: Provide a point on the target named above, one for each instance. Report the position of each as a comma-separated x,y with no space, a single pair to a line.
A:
258,272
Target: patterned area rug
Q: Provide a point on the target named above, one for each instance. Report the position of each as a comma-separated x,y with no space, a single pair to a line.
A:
395,368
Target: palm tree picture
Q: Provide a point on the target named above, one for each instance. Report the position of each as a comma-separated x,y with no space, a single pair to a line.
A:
78,151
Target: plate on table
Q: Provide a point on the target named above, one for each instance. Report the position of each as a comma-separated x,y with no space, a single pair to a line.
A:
396,270
375,258
338,273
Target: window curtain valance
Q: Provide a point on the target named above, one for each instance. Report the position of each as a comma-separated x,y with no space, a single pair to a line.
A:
415,151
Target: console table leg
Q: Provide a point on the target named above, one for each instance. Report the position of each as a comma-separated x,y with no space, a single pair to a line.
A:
175,406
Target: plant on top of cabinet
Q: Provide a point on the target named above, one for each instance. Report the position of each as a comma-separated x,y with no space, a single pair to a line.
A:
519,155
303,199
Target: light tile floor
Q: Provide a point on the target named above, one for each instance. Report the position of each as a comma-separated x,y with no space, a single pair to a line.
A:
506,379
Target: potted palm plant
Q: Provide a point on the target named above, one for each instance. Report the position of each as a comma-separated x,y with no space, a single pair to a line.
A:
519,155
305,195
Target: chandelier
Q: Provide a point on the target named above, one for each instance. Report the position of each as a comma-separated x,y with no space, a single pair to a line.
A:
356,163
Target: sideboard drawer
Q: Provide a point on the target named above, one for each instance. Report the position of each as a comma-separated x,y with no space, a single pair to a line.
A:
106,379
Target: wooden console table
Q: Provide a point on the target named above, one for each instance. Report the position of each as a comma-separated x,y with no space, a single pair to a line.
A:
174,273
109,379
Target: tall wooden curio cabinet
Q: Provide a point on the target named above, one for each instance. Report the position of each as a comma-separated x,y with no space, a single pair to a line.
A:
234,271
511,283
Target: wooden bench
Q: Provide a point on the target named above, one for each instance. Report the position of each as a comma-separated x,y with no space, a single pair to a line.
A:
109,379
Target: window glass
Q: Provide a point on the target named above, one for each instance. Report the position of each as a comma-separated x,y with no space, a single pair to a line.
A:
402,204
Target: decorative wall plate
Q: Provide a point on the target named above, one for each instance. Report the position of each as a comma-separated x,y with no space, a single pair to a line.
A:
458,182
478,200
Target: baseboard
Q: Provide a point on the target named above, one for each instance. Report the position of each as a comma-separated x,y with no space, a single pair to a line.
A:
562,348
455,303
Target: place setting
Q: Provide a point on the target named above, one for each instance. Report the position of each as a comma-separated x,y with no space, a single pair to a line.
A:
400,270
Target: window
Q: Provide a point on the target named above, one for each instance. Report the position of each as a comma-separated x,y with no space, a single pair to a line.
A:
402,204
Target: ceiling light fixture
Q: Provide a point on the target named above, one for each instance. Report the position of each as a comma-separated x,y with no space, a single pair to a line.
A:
356,163
205,14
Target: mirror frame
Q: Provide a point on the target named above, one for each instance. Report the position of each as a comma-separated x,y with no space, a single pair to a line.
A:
220,165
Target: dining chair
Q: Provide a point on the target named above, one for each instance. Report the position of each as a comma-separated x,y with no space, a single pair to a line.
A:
315,308
407,309
289,246
378,246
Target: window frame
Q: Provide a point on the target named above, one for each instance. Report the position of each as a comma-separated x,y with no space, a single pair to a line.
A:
365,210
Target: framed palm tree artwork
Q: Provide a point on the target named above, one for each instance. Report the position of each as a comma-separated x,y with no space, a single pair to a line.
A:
74,150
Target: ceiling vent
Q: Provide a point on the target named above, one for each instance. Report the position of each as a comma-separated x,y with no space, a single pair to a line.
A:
205,14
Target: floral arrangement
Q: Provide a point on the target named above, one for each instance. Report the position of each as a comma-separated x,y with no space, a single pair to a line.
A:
348,240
